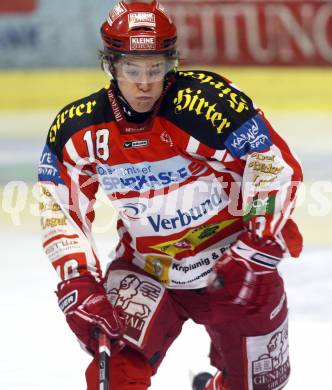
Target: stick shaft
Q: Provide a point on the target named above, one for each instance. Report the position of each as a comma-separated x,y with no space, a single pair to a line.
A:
104,362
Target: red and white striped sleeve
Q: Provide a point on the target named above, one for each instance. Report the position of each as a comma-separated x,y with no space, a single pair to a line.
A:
270,181
259,163
68,190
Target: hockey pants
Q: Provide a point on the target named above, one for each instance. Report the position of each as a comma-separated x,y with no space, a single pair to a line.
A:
252,352
129,370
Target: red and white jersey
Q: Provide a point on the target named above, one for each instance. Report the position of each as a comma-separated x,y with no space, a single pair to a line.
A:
205,166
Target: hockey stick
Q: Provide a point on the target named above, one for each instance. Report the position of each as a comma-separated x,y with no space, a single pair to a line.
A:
104,362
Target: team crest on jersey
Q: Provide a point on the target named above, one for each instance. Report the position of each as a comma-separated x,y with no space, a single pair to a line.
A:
165,137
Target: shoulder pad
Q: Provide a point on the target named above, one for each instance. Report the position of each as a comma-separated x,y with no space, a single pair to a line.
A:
207,106
75,116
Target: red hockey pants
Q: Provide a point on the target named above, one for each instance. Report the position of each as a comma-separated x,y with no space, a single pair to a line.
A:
251,351
129,370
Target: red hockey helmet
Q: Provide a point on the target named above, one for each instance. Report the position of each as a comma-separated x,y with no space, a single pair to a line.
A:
139,28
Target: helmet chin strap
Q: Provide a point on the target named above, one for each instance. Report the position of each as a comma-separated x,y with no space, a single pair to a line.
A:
126,123
130,113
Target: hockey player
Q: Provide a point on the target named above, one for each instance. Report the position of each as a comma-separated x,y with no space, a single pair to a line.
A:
204,188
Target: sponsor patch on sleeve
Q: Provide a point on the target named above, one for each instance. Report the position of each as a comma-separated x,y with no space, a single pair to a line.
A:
48,168
260,206
252,136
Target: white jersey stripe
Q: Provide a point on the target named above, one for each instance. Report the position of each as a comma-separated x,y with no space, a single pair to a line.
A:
219,154
71,150
193,145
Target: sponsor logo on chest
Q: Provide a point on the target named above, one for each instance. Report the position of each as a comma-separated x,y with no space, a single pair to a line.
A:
210,206
145,176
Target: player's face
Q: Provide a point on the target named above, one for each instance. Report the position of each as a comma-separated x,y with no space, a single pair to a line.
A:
141,80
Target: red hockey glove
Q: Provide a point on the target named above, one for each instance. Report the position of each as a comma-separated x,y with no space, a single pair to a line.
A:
246,275
88,312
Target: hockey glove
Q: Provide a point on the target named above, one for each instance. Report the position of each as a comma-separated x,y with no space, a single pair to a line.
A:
246,275
88,312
